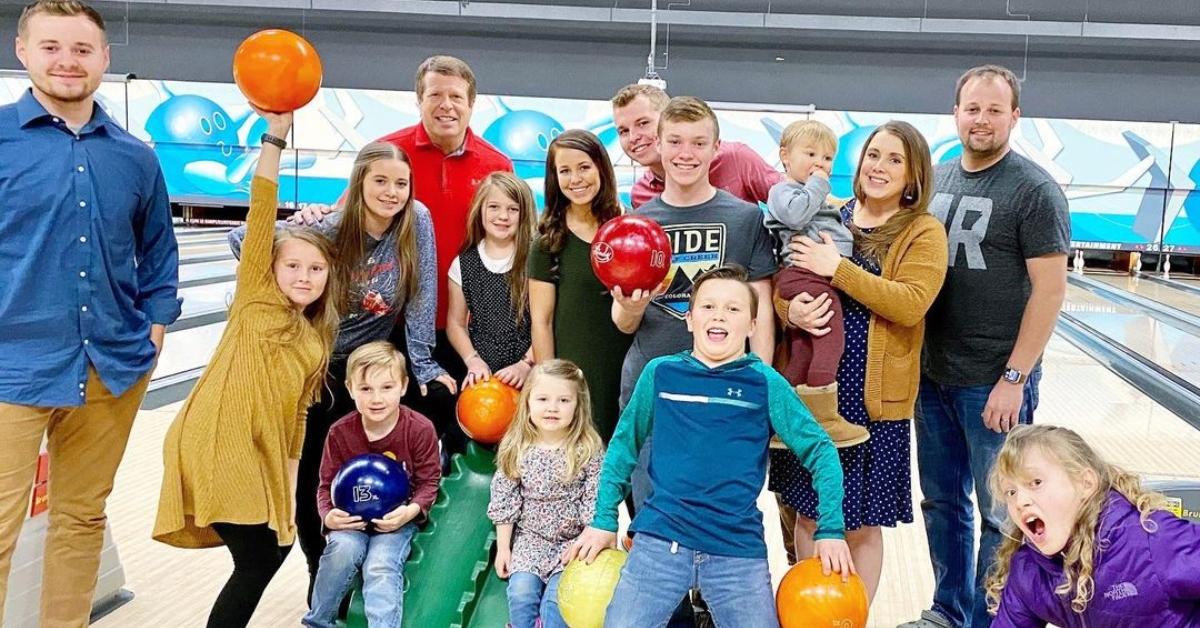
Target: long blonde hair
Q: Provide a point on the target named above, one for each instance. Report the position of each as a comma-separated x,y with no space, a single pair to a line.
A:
582,442
914,201
1076,457
325,313
351,241
516,189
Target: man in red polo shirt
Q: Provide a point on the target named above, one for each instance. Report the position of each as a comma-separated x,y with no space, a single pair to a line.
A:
737,169
448,162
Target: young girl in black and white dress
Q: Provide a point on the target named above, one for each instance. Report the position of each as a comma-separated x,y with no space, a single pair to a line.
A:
488,316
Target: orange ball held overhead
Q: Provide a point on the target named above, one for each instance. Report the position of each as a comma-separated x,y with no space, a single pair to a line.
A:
806,597
277,70
486,409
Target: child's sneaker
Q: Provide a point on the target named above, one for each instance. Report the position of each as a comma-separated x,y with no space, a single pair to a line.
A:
776,442
822,402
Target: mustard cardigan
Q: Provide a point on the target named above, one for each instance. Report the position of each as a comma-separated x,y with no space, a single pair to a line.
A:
913,272
898,298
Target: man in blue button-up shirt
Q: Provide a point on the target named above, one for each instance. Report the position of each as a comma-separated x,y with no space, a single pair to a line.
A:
88,276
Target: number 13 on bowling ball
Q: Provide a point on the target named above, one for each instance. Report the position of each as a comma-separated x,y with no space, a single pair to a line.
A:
632,252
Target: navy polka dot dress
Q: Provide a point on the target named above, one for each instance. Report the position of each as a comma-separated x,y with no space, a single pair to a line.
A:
878,481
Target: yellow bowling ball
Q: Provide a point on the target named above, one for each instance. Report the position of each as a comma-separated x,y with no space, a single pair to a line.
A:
585,590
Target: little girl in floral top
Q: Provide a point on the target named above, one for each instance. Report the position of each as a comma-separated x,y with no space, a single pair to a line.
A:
544,490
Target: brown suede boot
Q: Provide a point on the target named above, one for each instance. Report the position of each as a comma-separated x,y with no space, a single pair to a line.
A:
822,402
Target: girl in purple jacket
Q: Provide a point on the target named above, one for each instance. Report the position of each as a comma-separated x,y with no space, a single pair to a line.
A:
1086,545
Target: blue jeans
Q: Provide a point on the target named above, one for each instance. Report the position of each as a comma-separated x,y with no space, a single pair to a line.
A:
955,452
381,558
529,598
659,572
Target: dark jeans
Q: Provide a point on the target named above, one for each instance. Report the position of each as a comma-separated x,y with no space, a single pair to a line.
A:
257,555
955,452
812,360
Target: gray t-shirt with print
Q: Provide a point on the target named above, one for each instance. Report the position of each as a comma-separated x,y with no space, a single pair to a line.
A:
995,219
722,230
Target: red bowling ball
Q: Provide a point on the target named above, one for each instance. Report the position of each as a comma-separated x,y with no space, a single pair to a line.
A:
631,252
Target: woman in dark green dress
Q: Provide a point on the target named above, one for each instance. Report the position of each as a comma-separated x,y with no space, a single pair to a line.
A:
570,309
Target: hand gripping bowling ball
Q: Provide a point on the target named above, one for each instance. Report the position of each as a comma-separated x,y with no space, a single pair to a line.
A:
485,410
277,70
806,598
584,590
631,252
370,486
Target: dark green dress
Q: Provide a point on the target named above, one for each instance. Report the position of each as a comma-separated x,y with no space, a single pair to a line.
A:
583,329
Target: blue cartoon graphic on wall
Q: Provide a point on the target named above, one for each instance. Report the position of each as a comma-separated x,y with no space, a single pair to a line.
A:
525,135
200,148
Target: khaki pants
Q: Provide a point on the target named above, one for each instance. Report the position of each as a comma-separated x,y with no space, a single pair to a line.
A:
85,446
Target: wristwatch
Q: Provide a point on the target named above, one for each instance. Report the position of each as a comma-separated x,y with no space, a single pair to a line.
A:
1013,376
267,138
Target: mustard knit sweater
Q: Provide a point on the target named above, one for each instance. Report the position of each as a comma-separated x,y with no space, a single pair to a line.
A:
226,455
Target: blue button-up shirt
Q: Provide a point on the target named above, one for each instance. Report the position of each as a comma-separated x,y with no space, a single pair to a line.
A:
88,258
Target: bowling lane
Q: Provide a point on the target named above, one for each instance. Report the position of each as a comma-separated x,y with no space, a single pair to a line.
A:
188,349
208,270
1172,349
1126,426
1153,290
204,299
203,249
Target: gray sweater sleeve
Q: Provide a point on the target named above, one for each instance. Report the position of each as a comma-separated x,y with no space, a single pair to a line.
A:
791,205
801,209
420,314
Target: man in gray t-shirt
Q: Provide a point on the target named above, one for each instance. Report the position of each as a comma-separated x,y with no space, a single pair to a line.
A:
1008,228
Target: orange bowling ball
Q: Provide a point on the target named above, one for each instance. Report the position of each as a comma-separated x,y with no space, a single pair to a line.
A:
806,598
485,410
277,70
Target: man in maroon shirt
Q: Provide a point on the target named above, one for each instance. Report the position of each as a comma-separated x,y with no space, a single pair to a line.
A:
737,169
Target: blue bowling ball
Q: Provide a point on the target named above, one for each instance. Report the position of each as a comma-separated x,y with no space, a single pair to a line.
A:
370,486
523,135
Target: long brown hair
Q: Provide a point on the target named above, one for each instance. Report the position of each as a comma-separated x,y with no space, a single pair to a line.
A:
918,189
351,241
553,225
325,313
1076,457
518,191
582,441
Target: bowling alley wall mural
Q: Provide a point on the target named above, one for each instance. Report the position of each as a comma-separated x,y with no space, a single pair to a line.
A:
1131,185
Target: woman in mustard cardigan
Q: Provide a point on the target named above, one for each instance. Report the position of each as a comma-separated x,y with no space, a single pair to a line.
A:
231,454
897,269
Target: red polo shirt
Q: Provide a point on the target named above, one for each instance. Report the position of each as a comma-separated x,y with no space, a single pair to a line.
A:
445,184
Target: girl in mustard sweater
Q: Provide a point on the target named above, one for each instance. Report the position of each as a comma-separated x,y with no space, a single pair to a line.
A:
230,456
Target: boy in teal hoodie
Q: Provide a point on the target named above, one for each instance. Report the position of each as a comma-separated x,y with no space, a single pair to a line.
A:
700,527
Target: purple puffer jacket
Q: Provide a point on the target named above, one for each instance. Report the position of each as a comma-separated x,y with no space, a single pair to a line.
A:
1144,579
